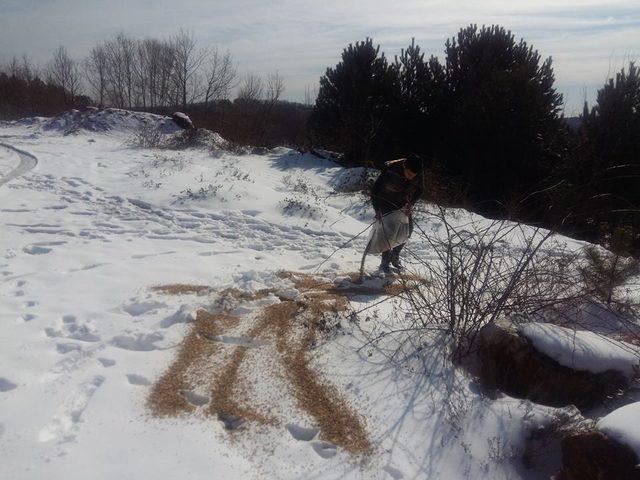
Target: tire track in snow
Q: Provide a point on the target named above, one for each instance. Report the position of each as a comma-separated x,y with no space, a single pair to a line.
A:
27,162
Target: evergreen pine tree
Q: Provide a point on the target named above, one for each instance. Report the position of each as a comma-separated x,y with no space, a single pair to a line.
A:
420,104
504,113
353,108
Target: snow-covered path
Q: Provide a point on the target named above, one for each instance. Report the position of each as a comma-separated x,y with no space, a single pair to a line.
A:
9,169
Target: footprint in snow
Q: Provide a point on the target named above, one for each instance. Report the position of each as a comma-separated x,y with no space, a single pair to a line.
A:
230,422
106,362
137,342
194,398
325,449
135,379
183,315
72,330
64,426
136,308
305,434
66,347
81,332
36,250
6,385
394,472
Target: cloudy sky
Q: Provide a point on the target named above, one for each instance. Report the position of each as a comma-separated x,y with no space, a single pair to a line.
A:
588,39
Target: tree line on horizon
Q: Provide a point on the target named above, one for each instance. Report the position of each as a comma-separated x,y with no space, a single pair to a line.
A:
159,76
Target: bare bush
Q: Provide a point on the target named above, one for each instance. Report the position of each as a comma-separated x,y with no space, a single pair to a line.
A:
220,76
252,88
147,136
480,270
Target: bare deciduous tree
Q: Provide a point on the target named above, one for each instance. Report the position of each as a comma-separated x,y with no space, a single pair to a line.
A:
252,88
188,60
220,76
275,88
22,68
96,66
256,101
154,66
63,71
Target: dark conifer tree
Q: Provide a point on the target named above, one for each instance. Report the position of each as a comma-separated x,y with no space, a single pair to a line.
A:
503,117
353,109
610,159
419,107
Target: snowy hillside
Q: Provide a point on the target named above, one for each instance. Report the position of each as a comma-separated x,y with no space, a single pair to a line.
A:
90,350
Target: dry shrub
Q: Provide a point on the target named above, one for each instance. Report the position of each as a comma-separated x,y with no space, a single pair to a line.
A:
485,269
147,136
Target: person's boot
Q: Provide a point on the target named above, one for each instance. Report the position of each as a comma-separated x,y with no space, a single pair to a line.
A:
395,257
386,260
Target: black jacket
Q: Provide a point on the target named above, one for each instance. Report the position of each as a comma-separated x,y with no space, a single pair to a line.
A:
392,190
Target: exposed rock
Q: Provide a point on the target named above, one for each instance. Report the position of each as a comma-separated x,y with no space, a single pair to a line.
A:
594,456
510,363
182,120
542,452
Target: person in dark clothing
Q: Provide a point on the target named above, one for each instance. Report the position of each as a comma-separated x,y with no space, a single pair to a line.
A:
398,187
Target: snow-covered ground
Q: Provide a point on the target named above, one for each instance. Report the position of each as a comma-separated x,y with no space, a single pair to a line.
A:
96,223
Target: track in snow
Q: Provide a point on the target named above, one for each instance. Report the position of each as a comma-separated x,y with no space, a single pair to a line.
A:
27,162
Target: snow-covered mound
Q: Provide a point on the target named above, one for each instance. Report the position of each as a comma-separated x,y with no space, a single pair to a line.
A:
623,425
97,120
582,350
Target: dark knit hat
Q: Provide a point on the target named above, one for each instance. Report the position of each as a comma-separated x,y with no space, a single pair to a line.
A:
414,163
